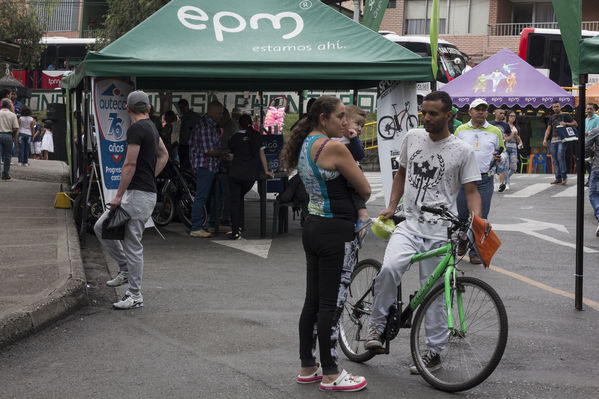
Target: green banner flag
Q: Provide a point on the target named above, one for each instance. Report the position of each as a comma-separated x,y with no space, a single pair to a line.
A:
373,13
434,35
569,18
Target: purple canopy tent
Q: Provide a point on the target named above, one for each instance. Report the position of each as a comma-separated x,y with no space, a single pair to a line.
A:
506,79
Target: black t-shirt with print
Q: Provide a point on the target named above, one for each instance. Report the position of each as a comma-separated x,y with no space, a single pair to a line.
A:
144,134
554,121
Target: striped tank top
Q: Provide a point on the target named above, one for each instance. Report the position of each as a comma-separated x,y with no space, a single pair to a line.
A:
330,196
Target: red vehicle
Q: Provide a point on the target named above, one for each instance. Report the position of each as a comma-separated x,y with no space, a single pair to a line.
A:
544,50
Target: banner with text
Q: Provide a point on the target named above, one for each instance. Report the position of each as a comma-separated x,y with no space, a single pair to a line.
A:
397,112
109,106
374,10
51,79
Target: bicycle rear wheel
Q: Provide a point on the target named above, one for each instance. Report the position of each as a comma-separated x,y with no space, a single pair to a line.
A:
353,324
470,354
387,127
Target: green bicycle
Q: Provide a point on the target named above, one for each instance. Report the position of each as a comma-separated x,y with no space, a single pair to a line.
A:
477,325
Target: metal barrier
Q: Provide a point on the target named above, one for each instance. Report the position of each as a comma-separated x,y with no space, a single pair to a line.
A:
369,136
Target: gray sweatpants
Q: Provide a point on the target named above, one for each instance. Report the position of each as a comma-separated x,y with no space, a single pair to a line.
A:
129,253
400,249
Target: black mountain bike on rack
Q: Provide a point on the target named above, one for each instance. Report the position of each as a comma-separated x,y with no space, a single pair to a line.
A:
477,325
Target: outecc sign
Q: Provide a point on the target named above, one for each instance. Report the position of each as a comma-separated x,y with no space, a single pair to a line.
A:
197,19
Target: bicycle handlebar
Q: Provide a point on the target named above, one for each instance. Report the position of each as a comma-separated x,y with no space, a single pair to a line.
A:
445,214
430,209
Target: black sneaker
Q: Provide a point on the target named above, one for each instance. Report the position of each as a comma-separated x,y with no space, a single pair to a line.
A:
501,187
431,360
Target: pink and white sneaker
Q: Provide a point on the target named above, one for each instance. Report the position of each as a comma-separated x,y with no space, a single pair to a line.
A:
345,382
308,379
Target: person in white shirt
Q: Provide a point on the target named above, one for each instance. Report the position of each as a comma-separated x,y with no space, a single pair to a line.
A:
434,166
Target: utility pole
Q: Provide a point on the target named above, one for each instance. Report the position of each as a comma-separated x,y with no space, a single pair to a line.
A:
357,11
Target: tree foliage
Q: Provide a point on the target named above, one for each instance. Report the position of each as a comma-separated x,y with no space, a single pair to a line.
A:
19,24
125,15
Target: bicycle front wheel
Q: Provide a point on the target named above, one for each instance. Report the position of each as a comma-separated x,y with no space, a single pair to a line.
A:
353,324
470,353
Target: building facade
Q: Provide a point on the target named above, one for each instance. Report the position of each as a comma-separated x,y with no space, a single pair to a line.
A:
481,27
73,19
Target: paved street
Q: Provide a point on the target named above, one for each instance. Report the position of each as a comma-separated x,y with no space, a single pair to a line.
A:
220,317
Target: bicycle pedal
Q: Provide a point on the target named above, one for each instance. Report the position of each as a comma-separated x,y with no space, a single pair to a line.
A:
379,351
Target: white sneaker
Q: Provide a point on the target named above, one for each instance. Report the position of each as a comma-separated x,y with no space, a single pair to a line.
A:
120,279
507,186
129,301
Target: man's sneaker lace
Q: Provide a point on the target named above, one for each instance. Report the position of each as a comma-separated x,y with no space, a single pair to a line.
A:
431,360
120,279
129,301
374,340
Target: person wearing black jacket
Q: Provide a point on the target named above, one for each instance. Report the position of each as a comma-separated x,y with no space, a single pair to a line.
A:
246,154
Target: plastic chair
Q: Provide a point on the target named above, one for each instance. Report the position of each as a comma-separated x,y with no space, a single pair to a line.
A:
523,162
539,161
280,217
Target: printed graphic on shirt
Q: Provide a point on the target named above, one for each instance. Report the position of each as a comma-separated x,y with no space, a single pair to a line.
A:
426,173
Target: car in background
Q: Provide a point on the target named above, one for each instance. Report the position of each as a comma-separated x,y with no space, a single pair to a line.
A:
451,61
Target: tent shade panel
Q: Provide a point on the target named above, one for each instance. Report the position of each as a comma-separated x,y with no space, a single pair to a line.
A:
271,44
589,55
506,79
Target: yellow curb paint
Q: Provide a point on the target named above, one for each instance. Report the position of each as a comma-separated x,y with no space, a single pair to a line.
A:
588,302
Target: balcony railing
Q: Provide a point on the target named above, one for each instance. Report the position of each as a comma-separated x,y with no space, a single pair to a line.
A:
516,29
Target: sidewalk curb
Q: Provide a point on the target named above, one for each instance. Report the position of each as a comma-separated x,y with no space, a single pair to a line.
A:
64,299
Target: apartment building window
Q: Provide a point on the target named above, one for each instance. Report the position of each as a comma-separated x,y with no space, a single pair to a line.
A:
456,17
537,13
63,17
418,13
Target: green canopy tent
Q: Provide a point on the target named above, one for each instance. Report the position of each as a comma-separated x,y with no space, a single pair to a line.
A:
236,45
243,45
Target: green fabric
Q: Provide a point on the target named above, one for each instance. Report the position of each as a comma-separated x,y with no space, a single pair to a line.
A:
569,18
330,51
589,55
374,10
434,35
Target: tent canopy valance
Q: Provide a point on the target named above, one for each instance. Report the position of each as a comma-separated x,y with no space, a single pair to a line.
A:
269,45
506,79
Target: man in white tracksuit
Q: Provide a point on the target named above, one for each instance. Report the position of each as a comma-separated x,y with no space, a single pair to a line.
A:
434,165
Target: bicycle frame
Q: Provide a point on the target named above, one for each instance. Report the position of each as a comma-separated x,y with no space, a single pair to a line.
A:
447,266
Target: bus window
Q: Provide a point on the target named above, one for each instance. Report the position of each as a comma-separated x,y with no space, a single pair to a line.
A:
422,49
536,51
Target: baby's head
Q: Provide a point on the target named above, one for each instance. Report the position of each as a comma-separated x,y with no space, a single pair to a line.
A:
355,119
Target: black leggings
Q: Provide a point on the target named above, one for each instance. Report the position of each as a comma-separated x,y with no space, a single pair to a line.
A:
331,254
238,189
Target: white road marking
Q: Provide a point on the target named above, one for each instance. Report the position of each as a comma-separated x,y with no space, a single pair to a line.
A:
530,190
255,247
571,191
530,228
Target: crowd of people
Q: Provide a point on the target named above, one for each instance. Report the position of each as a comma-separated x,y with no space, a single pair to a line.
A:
21,134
